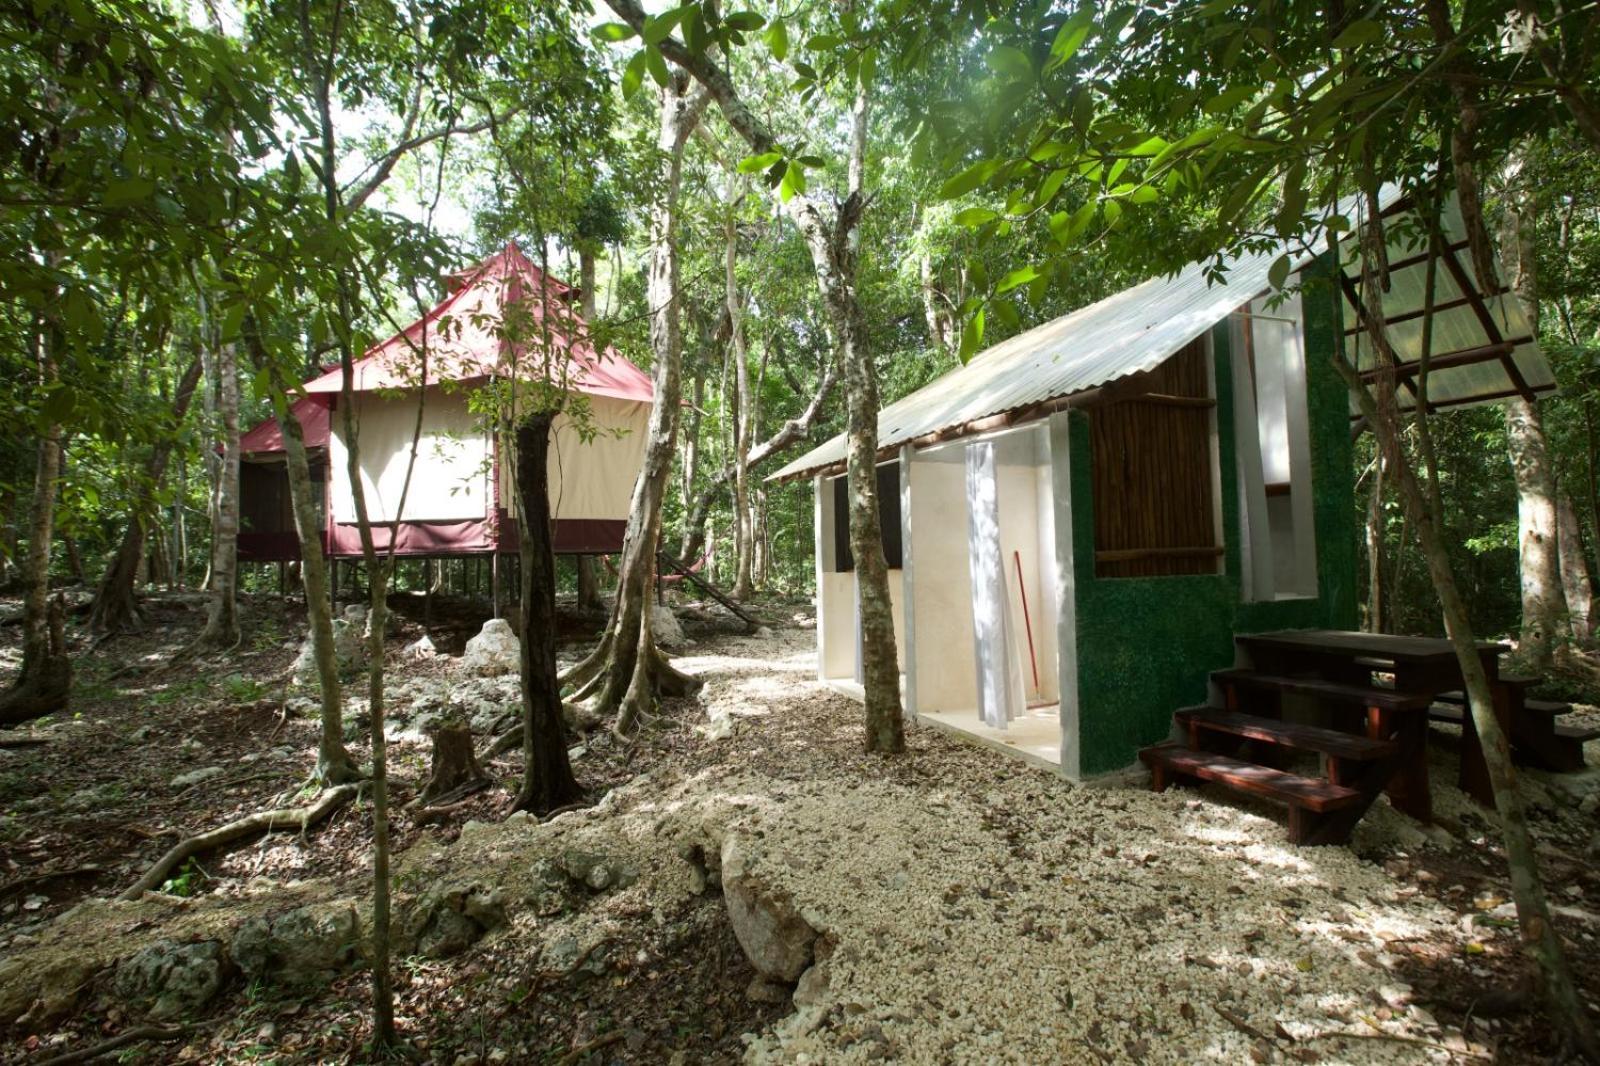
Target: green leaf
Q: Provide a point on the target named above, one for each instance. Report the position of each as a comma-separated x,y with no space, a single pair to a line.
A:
1229,98
1144,194
823,42
1006,312
633,75
657,65
232,319
128,191
869,68
1019,276
1358,33
1051,185
794,181
969,179
747,21
1070,37
972,336
612,31
778,40
752,164
1278,272
57,406
1009,62
975,216
657,29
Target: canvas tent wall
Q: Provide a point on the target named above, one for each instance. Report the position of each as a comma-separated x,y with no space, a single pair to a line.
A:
1195,441
266,517
503,322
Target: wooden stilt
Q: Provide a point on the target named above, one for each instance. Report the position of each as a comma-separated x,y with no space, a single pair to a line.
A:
494,584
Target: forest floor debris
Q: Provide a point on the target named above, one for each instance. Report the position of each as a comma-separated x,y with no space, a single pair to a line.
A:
966,907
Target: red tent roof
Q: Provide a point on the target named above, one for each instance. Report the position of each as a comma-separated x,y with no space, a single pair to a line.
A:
312,414
464,341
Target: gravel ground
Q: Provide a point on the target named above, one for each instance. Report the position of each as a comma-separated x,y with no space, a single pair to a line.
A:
971,909
990,912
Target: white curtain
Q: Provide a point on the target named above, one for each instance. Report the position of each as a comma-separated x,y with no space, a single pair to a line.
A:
1000,691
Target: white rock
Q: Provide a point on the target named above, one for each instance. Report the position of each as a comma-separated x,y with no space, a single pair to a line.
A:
194,777
421,648
495,650
665,628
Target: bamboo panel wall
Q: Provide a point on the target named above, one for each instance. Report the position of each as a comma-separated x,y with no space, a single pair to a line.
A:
1154,511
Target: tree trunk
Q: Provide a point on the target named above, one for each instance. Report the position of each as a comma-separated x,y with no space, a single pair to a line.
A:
833,244
116,607
743,534
1544,607
1375,532
1378,405
222,619
455,764
626,672
333,761
547,779
44,680
937,309
1575,579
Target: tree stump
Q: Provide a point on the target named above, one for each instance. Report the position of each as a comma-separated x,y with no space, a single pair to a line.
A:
455,764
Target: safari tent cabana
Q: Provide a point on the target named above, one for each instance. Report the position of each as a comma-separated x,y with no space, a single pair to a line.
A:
1080,520
492,327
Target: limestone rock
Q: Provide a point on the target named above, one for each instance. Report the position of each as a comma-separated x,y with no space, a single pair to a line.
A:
494,650
194,777
775,938
172,979
813,986
766,990
307,945
348,650
420,649
665,628
449,921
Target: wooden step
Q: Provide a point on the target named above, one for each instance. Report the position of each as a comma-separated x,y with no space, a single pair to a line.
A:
1332,691
1292,735
1577,733
1553,708
1449,715
1309,793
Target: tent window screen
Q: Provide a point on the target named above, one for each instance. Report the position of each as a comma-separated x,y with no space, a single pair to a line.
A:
1154,474
888,517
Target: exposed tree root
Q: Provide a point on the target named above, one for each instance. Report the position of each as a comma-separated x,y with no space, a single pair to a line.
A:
137,1034
297,818
455,766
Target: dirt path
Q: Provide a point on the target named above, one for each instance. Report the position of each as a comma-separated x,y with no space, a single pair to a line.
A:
970,909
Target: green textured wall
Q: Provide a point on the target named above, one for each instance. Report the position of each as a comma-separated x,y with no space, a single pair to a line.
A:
1146,645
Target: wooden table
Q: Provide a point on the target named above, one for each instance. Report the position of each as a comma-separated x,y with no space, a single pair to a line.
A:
1424,666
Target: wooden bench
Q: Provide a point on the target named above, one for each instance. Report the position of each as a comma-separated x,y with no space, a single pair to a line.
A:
1306,797
1329,691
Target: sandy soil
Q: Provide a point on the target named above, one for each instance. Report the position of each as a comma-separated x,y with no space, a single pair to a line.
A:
973,909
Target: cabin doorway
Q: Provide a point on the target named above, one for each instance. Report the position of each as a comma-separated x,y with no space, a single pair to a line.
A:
983,590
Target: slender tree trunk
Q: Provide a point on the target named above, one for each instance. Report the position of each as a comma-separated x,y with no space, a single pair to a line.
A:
222,619
116,608
689,464
1375,532
547,778
1378,404
1576,583
833,244
626,673
743,534
588,573
1544,607
333,760
44,680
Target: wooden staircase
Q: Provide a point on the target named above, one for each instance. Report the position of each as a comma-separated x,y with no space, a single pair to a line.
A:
1247,752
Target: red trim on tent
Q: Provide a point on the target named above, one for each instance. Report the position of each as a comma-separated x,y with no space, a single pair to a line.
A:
312,414
573,536
416,538
464,343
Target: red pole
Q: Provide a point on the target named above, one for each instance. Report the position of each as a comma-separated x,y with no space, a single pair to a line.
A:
1027,622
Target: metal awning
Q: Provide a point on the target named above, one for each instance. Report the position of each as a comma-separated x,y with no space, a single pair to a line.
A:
1482,347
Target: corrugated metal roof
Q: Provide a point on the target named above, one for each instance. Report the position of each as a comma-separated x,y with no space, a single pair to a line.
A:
1134,331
